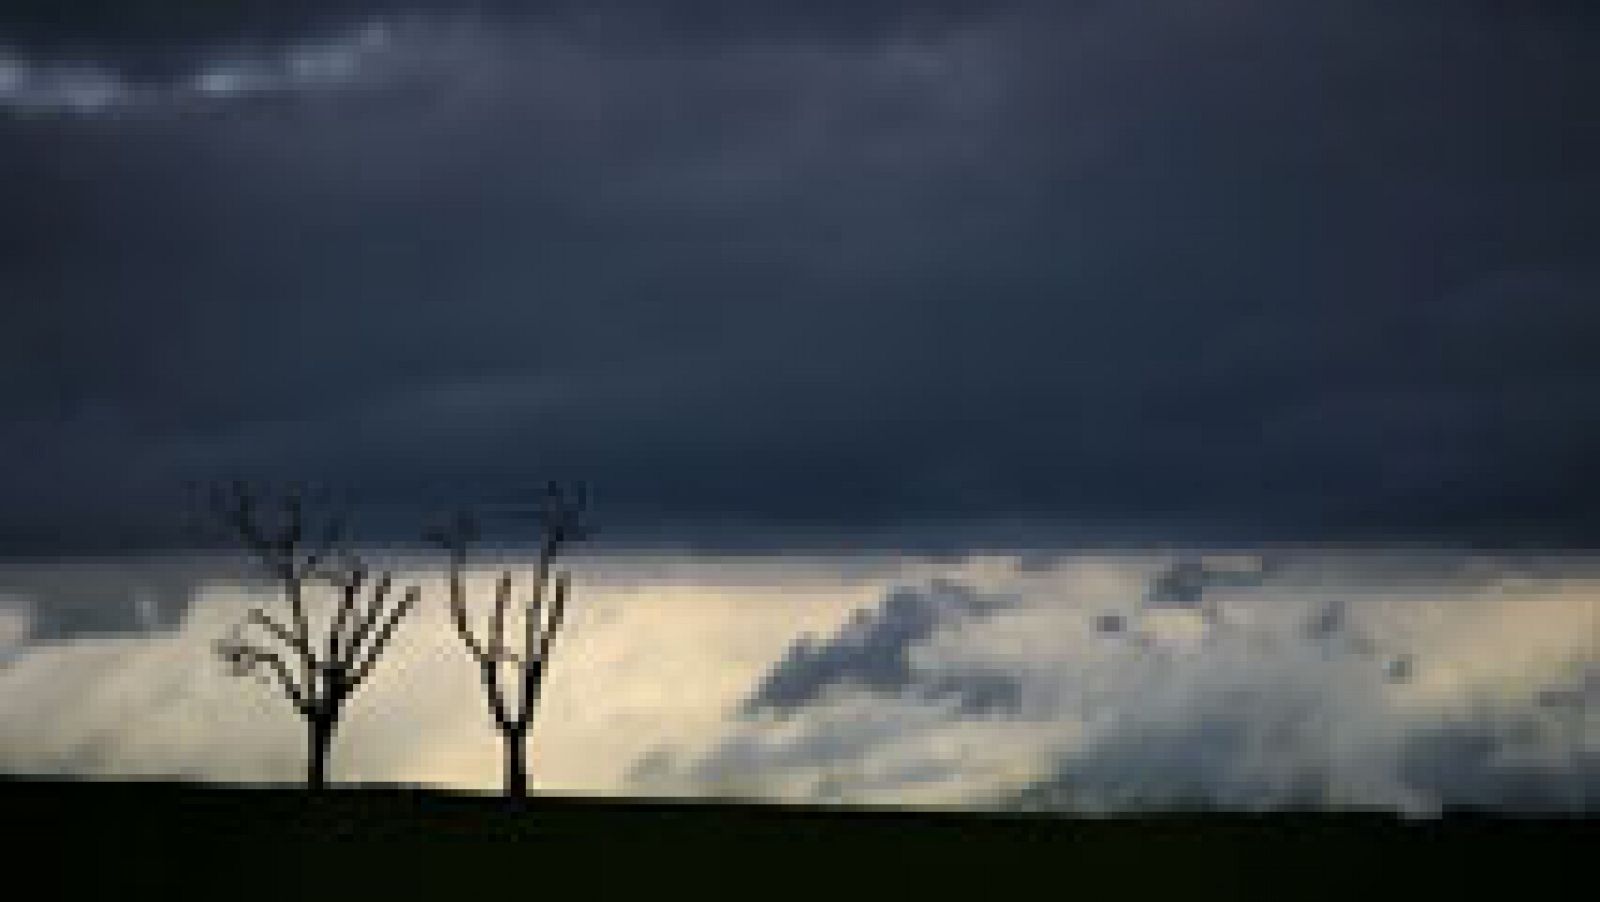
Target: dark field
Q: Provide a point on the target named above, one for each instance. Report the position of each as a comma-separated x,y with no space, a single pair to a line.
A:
227,841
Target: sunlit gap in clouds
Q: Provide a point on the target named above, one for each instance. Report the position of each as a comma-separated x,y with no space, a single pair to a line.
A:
1077,682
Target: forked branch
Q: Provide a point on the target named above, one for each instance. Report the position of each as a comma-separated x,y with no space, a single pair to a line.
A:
358,632
512,677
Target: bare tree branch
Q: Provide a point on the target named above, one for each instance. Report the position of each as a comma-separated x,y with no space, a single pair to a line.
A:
370,618
458,614
291,689
533,676
559,514
497,618
358,632
338,642
234,507
454,537
490,673
384,634
244,657
294,522
280,632
328,546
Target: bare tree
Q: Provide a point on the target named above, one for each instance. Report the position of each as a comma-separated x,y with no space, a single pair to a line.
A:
513,671
318,675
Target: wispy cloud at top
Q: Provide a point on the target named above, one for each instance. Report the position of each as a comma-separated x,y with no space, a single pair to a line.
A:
365,56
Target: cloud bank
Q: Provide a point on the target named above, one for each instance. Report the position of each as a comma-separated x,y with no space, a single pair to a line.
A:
978,682
1219,271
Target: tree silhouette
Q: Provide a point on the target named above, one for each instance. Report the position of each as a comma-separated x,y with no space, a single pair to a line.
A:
317,675
513,673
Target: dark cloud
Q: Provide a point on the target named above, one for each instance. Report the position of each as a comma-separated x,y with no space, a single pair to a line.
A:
105,597
1329,622
1234,270
157,32
873,653
1472,765
1184,583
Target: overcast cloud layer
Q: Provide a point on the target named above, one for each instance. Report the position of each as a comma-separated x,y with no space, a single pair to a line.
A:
1227,268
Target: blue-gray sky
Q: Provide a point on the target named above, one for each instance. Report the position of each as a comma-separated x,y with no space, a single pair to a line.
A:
1226,268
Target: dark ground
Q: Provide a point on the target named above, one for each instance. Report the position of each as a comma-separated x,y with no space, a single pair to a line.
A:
230,842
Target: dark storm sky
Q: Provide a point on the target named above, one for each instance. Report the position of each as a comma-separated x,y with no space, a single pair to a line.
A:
1231,268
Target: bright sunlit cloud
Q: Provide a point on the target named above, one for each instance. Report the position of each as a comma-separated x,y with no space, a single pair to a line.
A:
983,682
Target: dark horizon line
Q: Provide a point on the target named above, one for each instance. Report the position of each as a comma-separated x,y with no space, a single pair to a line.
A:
931,537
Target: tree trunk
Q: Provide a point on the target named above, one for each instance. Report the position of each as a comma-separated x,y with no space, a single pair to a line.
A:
320,739
516,764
